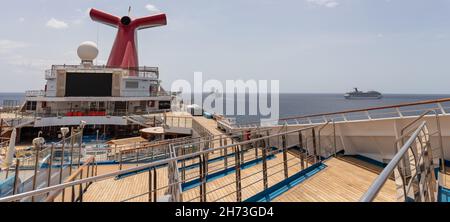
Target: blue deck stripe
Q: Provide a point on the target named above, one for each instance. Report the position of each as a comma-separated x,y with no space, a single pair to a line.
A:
444,195
285,185
214,176
180,169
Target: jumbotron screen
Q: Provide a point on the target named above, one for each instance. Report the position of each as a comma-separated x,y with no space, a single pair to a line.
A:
88,84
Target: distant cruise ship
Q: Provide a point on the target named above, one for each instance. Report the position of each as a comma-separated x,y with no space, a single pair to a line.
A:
363,95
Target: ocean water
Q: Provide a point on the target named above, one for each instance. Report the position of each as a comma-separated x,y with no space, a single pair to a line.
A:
305,104
19,97
301,104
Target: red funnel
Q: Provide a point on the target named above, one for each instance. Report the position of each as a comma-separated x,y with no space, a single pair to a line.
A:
124,51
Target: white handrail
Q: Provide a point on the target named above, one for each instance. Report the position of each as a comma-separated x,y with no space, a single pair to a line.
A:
375,188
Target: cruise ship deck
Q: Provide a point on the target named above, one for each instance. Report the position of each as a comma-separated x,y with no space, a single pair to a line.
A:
299,162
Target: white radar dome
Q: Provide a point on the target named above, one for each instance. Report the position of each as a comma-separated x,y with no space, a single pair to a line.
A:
87,51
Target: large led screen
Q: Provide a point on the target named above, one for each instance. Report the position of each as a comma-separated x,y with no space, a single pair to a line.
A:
88,84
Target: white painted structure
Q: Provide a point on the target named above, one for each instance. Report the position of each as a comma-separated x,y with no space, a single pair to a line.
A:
133,91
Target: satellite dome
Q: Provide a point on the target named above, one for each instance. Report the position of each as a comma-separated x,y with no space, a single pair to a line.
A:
87,51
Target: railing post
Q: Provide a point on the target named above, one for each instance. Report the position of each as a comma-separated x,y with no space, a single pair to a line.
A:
221,144
255,146
155,185
73,194
72,136
301,156
183,164
238,174
334,138
81,187
206,157
285,159
61,167
400,114
50,167
80,132
120,160
225,158
441,108
264,157
150,185
36,164
314,145
204,178
368,115
201,174
16,176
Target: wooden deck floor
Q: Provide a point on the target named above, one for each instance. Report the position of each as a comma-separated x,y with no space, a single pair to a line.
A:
112,190
224,188
339,182
208,124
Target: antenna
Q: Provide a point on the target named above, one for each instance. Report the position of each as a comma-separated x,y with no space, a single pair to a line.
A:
129,11
98,36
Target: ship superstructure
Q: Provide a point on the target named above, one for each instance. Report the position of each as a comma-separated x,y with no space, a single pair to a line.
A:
356,94
101,95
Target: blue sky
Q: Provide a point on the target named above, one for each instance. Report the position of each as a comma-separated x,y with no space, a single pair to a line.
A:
315,46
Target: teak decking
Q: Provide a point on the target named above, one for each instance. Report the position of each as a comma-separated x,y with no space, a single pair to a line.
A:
339,182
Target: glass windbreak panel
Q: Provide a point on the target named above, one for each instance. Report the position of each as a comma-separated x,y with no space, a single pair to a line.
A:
384,113
317,120
290,122
357,116
303,121
446,106
418,109
337,118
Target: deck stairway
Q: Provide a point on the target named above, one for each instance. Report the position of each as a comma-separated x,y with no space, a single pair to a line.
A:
145,121
15,123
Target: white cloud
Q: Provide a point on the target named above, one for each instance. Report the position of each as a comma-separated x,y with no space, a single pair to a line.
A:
324,3
57,24
152,8
21,19
8,45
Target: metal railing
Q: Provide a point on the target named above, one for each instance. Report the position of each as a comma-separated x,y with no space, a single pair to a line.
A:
143,71
380,112
34,93
92,112
151,151
46,164
240,148
413,168
88,169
